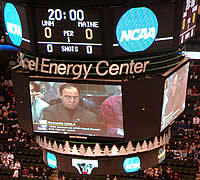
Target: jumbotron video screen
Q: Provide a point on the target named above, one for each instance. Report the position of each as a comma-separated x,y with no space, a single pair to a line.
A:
174,96
77,109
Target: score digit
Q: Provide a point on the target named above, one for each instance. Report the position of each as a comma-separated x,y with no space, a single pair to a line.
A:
89,49
47,32
89,34
49,48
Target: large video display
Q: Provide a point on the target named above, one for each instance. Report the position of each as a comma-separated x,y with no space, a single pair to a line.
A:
174,96
76,108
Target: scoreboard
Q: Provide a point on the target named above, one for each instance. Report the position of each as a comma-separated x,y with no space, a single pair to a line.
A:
189,19
99,32
69,31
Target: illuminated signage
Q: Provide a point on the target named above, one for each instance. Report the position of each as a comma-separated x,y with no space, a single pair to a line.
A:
84,166
81,70
137,29
79,33
131,164
71,32
51,160
189,19
4,47
192,54
162,154
13,24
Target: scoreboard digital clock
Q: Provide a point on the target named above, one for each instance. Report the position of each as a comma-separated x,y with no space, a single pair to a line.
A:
69,32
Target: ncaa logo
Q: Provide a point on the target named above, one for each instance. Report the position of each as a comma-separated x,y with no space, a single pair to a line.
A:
13,24
51,160
137,29
131,164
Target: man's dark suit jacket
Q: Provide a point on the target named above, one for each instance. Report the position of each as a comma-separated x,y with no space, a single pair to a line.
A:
59,113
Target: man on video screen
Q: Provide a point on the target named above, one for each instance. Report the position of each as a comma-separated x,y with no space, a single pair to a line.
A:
69,109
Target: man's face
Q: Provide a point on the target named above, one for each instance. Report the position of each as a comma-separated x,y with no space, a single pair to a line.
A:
70,98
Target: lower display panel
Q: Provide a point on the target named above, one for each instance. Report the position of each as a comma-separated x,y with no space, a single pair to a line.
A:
104,165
